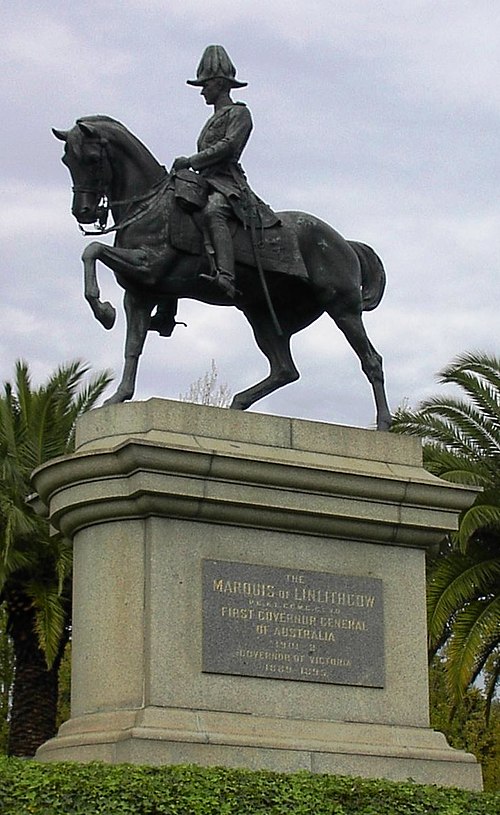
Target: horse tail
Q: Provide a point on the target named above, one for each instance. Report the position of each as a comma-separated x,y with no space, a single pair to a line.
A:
373,277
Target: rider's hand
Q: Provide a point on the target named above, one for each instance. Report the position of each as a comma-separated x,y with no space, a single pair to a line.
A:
181,163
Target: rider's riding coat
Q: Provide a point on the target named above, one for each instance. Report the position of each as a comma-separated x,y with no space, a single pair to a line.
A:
220,145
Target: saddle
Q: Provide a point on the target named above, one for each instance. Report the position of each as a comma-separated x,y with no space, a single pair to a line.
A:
275,242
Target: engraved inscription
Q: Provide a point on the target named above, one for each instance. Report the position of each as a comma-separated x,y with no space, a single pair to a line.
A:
301,625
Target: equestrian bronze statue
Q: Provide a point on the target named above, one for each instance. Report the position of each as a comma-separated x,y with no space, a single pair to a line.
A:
200,231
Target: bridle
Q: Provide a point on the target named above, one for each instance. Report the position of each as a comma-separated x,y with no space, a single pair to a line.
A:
101,188
105,203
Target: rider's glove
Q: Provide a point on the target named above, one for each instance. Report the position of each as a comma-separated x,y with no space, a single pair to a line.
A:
181,163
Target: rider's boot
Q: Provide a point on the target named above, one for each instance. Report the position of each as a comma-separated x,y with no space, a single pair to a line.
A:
224,254
224,281
163,320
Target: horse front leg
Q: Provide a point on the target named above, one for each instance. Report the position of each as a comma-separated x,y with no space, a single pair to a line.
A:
138,313
104,312
120,261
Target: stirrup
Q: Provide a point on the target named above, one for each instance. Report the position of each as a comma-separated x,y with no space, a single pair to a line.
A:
223,282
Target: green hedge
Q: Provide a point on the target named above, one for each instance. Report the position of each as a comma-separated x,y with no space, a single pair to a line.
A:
30,788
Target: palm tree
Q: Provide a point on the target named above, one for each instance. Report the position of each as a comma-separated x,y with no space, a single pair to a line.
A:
461,436
6,679
35,562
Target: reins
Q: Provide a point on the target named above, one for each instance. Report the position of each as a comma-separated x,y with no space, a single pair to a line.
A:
103,209
150,198
106,204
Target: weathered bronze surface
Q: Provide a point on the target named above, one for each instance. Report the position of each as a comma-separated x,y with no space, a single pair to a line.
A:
174,238
297,625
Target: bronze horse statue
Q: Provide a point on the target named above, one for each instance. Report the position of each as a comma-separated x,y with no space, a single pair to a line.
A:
109,164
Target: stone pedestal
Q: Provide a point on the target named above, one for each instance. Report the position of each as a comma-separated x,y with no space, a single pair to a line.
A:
249,591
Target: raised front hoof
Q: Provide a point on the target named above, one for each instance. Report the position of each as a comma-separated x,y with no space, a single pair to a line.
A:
107,315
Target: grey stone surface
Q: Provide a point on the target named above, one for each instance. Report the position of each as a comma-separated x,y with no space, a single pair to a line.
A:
169,735
160,419
147,506
177,550
108,658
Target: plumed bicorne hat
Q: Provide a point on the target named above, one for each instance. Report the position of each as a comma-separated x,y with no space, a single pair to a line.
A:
216,64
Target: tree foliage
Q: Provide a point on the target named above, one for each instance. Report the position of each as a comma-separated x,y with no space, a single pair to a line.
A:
36,425
6,678
465,725
461,436
207,390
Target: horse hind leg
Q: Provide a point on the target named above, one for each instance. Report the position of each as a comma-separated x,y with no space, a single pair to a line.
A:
351,325
282,367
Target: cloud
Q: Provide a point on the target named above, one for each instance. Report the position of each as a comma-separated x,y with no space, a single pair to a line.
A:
32,211
41,43
381,118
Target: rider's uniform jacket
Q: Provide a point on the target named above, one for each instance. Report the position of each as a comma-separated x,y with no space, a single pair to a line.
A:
220,145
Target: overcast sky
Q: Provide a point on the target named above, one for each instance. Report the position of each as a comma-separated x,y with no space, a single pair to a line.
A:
382,117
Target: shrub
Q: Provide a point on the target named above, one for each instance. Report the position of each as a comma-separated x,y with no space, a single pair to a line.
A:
29,788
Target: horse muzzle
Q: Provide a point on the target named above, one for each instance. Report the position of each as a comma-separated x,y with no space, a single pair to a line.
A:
85,207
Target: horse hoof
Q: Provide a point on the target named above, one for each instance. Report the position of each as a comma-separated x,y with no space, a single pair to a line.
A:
237,404
121,395
111,401
107,315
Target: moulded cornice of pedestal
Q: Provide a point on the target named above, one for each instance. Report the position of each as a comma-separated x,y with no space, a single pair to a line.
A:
392,503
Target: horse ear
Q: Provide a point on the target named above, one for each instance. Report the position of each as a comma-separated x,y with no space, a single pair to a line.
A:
60,134
88,130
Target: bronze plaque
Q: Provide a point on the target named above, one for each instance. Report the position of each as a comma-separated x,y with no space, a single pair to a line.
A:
288,624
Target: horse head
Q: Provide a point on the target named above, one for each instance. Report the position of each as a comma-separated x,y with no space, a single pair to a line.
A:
107,164
87,159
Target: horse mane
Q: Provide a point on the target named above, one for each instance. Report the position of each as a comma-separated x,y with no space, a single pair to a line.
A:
116,131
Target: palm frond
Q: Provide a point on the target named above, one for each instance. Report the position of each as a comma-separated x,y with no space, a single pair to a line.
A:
484,366
50,617
63,561
441,460
430,426
455,582
477,517
483,396
475,635
467,431
37,424
461,437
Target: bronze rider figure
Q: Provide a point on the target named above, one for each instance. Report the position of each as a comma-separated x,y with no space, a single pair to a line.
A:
220,145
